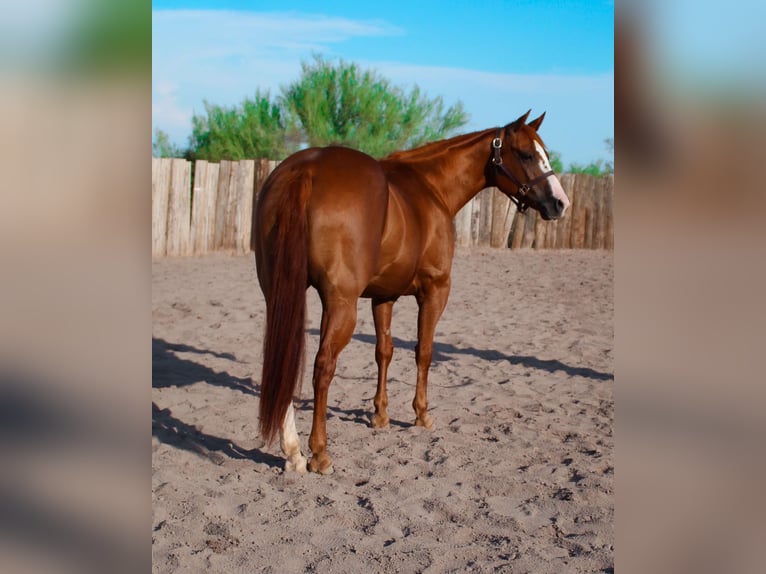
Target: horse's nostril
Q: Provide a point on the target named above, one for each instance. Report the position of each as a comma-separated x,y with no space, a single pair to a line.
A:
559,205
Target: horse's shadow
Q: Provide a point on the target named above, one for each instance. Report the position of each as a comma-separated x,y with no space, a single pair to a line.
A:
174,432
442,352
169,370
358,416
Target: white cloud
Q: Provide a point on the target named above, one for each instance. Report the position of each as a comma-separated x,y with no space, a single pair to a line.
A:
446,80
166,111
221,34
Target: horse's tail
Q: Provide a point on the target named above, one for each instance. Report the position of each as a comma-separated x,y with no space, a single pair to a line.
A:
284,338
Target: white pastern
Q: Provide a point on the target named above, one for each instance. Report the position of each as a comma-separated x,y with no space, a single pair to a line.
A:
558,190
291,445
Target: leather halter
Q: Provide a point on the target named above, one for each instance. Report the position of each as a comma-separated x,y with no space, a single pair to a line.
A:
522,202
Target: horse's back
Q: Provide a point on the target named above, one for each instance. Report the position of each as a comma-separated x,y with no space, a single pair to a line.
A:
345,181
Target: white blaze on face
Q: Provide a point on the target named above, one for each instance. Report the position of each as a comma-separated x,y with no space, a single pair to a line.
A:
558,190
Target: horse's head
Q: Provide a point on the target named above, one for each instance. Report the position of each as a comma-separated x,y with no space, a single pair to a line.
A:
520,168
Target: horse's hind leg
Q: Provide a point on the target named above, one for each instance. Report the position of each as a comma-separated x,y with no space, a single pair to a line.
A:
384,350
291,446
338,322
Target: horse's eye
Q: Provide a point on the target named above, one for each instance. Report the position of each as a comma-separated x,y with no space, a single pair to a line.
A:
526,156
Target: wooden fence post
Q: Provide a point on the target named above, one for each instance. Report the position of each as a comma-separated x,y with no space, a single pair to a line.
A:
599,230
609,209
564,231
503,212
229,232
160,194
517,232
243,207
591,227
203,206
550,234
541,230
578,213
484,220
528,239
463,226
221,200
179,208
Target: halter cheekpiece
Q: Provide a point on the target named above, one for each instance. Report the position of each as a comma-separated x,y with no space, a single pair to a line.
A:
522,203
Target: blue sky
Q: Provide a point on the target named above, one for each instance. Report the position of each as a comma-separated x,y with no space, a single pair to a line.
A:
499,58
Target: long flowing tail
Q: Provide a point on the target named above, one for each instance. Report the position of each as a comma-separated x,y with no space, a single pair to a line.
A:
284,338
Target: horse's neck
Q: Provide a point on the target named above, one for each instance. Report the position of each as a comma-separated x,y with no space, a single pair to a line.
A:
455,170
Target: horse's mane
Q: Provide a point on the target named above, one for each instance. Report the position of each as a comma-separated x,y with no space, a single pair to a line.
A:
431,149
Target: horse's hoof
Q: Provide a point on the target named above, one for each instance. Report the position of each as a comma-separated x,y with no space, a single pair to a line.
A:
298,465
321,464
380,422
426,421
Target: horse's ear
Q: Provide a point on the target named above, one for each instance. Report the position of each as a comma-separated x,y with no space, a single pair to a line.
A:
519,122
535,124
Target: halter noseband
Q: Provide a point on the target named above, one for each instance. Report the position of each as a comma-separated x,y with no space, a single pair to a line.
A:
522,203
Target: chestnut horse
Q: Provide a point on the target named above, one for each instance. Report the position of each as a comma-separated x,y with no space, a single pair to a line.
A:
351,226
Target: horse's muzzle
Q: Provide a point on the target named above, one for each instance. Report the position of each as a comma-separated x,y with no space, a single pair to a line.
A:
554,209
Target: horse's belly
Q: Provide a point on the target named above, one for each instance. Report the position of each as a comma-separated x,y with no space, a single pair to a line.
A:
393,280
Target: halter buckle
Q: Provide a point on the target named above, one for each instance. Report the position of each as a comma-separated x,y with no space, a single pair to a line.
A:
497,146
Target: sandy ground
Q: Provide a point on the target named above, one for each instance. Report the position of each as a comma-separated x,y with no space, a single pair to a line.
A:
516,476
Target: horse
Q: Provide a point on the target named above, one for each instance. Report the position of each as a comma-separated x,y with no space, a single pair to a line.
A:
351,226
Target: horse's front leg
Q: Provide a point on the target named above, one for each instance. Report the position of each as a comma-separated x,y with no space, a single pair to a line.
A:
384,350
431,303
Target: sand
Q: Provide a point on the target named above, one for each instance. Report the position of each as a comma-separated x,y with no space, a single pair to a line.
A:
516,476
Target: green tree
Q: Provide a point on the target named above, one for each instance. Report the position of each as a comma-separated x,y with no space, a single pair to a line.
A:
162,146
343,104
598,167
257,128
595,168
556,164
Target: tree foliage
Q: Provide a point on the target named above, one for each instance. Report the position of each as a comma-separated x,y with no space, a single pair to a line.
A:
328,104
344,104
556,164
257,128
595,168
162,146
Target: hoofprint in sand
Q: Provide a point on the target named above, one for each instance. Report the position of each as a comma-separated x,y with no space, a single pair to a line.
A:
516,475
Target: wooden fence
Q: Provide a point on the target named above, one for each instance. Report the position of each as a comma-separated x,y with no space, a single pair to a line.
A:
215,213
490,219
